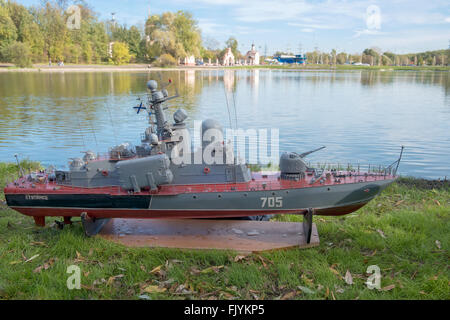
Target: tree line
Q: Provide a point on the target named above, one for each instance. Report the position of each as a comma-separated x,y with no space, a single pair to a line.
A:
41,34
376,57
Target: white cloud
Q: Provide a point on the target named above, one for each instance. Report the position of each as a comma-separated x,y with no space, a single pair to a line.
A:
410,41
307,30
370,32
447,19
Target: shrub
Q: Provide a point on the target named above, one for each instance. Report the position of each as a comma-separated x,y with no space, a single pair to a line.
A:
17,53
120,53
166,60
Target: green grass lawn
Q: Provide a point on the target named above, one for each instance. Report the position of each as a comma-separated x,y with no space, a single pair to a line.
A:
405,232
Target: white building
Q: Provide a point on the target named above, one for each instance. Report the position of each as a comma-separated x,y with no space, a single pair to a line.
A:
188,61
228,58
252,57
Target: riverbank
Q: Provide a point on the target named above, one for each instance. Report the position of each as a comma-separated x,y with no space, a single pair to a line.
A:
404,232
146,67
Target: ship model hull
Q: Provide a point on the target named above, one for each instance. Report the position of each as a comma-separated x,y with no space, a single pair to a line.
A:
262,196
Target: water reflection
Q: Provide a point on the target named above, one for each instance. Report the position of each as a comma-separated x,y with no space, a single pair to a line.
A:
358,115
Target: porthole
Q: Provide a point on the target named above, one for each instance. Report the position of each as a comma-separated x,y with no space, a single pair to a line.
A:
195,197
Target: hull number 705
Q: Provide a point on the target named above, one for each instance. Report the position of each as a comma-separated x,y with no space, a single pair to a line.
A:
272,202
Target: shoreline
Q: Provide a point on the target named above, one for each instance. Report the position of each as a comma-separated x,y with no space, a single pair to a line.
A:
5,68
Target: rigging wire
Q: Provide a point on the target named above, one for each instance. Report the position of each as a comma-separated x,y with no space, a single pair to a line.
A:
112,123
81,132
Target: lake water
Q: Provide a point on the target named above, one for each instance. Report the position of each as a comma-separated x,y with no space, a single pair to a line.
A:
360,116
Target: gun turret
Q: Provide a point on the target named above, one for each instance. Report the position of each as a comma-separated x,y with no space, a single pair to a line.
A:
304,154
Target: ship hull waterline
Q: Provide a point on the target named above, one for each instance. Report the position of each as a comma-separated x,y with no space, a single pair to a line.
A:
325,200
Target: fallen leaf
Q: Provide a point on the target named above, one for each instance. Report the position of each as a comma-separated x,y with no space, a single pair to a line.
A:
332,295
15,262
113,278
348,278
437,202
262,261
239,258
156,269
181,289
154,289
306,279
288,295
175,261
38,243
381,233
144,297
212,269
195,271
398,203
143,269
306,289
87,287
79,257
335,271
45,266
254,295
227,295
99,281
438,244
33,257
388,288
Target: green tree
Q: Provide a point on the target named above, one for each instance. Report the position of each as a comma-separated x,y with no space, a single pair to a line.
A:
174,33
233,44
120,53
52,23
341,58
17,53
8,30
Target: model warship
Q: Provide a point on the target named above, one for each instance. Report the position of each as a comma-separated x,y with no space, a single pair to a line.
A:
145,182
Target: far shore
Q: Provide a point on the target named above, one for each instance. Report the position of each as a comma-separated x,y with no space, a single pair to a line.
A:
147,68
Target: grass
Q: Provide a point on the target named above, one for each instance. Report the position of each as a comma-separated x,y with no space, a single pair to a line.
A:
405,232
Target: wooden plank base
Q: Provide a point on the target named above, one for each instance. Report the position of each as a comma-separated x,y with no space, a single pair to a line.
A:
238,235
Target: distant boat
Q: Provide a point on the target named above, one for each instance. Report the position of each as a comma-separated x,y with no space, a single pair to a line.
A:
361,64
291,59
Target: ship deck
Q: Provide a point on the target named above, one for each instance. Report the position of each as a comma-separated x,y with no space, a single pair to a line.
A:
260,181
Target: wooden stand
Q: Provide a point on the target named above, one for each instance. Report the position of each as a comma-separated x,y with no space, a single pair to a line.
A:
238,235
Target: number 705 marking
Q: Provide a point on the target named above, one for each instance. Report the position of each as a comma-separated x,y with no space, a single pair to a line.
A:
271,202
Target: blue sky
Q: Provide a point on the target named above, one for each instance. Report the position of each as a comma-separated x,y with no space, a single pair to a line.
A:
400,26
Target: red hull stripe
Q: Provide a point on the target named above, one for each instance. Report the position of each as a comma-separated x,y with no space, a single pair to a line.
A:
160,214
